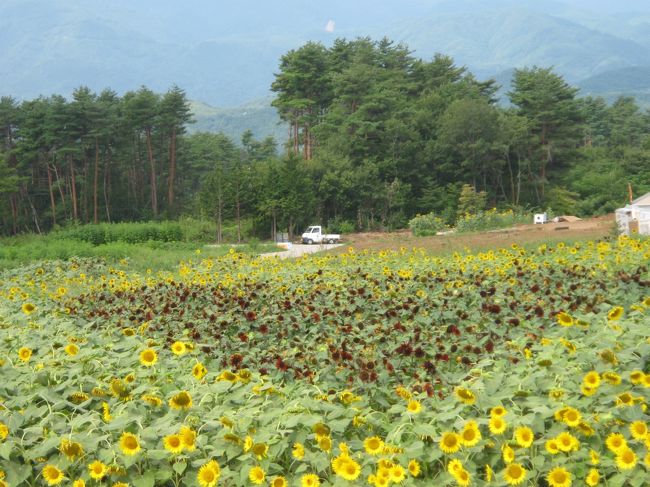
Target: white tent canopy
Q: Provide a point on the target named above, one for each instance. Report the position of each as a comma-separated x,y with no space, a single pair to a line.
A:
635,217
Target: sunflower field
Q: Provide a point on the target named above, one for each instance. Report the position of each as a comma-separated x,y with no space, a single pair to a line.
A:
507,367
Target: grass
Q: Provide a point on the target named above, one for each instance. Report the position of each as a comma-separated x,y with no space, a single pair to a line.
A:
18,251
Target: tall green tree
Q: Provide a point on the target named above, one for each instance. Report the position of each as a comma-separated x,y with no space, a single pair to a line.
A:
550,104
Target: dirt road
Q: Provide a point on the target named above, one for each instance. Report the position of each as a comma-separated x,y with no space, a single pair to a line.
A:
591,228
298,250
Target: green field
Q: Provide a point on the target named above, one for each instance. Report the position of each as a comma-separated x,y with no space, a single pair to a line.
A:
512,366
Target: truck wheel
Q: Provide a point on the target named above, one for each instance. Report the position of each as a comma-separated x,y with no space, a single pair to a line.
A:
330,241
309,241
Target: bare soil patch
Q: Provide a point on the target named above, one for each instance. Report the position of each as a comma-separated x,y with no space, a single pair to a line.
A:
591,228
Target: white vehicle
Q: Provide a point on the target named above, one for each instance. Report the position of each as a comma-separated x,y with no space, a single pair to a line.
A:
314,234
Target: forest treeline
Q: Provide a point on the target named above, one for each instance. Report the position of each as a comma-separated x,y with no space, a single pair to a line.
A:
375,137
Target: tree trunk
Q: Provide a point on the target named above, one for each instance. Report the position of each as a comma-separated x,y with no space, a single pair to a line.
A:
14,214
152,167
95,183
238,216
73,191
60,186
274,227
34,212
84,187
512,178
52,202
106,188
172,172
219,221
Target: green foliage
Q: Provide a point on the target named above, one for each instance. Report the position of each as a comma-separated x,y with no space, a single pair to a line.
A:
376,137
470,201
340,226
426,225
133,233
157,255
89,353
491,220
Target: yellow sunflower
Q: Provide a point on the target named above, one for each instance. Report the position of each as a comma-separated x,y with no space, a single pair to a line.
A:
626,459
639,430
552,446
4,431
450,442
465,395
514,474
508,455
71,449
181,400
209,474
97,470
28,308
559,477
497,425
279,482
397,474
592,478
594,457
256,475
566,442
173,444
612,378
129,444
489,473
591,379
414,468
524,436
52,475
260,450
227,376
498,411
454,466
615,442
24,354
373,445
179,348
463,478
106,413
199,371
636,376
564,319
471,434
298,451
188,436
79,483
324,443
71,349
414,407
148,357
586,429
350,470
152,400
615,313
309,480
571,417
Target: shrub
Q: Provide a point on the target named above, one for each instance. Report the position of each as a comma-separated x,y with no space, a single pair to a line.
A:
425,225
338,225
491,220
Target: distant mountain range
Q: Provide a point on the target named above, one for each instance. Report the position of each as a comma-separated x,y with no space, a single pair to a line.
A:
225,54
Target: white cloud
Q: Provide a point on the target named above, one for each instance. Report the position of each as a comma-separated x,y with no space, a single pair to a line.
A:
330,26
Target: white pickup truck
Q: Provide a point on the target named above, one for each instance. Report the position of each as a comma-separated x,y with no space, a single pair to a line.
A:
314,234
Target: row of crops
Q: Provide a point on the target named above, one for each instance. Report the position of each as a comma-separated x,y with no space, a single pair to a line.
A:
508,367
